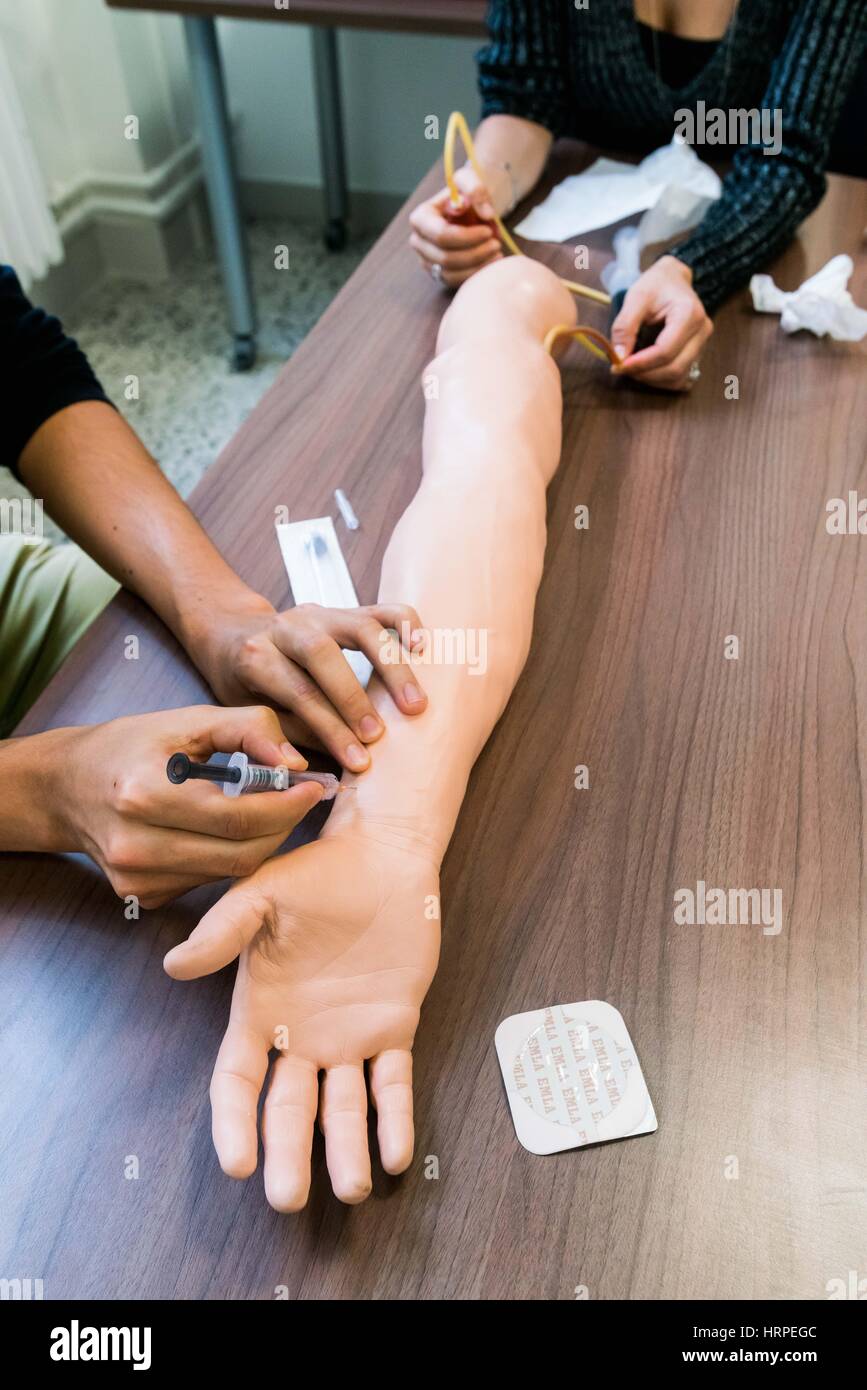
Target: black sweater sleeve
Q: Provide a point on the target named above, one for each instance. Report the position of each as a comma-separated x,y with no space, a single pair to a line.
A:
41,369
766,197
522,70
527,70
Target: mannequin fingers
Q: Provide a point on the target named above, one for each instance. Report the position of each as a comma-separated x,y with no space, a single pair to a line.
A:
391,1090
287,1131
221,935
235,1085
343,1105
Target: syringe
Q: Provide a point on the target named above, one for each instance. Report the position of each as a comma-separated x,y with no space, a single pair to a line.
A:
239,776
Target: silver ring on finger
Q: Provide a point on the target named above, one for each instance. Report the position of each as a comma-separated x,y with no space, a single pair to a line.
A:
436,271
694,372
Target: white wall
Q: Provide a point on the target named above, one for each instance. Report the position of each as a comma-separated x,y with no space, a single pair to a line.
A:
134,206
390,83
81,68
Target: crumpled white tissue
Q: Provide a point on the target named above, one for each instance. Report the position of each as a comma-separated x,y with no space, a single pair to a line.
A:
673,183
625,269
822,305
680,206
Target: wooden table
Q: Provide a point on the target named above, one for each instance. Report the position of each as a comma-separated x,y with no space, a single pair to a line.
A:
707,519
464,18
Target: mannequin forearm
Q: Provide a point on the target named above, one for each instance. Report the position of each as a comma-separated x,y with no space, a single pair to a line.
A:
468,551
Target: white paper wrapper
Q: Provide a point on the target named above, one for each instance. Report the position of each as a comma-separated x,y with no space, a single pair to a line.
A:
822,305
671,185
318,573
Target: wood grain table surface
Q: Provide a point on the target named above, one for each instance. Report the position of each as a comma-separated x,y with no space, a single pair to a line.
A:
707,520
457,17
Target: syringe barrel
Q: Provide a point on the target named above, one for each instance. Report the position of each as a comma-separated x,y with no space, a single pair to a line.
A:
256,777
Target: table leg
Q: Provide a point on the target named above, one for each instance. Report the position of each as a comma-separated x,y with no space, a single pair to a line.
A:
331,149
215,135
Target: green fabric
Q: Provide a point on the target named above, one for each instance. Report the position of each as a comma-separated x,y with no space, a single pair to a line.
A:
49,596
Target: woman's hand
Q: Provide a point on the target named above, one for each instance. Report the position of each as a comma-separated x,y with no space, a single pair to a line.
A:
458,251
154,840
662,295
294,661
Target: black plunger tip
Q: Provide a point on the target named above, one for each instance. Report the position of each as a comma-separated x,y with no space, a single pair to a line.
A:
178,767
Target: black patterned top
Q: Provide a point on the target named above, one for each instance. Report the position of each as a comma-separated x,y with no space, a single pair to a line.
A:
584,72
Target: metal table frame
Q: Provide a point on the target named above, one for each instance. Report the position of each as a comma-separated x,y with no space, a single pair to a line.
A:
209,89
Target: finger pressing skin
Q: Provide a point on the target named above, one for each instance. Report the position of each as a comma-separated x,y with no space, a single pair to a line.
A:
235,1085
400,616
282,680
454,260
287,1131
343,1117
221,935
316,650
391,1092
368,634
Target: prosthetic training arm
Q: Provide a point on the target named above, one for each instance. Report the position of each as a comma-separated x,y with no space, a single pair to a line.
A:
339,940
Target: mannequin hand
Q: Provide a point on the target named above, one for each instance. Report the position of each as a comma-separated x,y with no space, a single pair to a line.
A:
460,251
154,840
663,294
338,956
294,661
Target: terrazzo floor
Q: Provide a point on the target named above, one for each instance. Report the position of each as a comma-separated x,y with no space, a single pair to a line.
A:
173,336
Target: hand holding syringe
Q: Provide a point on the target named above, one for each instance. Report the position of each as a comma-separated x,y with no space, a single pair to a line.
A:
239,776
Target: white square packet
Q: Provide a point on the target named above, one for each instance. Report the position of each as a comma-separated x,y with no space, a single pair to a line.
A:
572,1077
